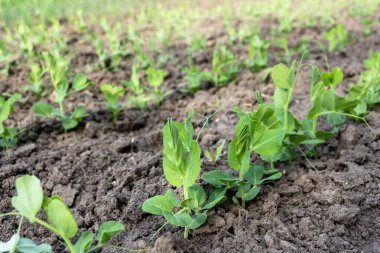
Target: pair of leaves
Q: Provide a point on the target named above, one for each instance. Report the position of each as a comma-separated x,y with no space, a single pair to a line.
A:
156,77
7,106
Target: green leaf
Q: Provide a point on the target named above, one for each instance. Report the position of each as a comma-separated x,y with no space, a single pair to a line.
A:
108,230
29,197
272,177
252,193
185,220
84,242
214,177
10,246
216,197
255,174
44,110
270,142
69,123
197,193
60,216
161,203
334,78
28,246
79,113
80,82
281,76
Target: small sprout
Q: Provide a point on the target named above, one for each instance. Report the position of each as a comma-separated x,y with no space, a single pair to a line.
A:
337,38
61,88
214,156
182,165
8,135
35,79
257,54
112,95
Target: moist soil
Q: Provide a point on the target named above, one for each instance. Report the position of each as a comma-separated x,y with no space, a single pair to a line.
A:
105,172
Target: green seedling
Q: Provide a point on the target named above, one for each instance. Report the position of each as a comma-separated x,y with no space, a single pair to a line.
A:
5,58
224,67
182,165
62,90
367,26
8,135
155,79
25,37
100,51
282,42
112,95
194,77
197,43
257,54
30,200
139,98
337,38
214,156
367,90
36,85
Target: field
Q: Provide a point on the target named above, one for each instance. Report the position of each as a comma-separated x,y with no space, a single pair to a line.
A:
189,126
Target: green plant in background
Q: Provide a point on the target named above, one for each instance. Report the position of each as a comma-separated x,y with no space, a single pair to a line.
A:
8,135
198,43
25,40
139,98
367,26
257,54
367,90
62,90
28,203
36,85
5,58
155,79
112,96
337,37
282,42
224,67
214,156
100,51
182,165
194,77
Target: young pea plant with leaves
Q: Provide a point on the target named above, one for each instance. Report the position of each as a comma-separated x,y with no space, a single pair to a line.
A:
337,37
182,166
36,85
5,58
112,96
8,135
139,98
257,54
62,90
224,67
155,79
257,132
29,201
194,77
367,90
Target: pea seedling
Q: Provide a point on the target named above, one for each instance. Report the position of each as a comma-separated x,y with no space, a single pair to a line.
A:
224,67
28,203
182,165
8,135
35,79
214,156
62,88
112,95
337,38
257,54
155,79
194,77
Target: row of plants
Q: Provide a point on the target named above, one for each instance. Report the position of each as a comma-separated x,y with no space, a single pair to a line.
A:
270,132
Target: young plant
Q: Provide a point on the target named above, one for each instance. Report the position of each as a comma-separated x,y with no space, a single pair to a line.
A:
367,90
100,51
30,200
112,95
8,135
224,67
257,54
182,165
197,43
62,90
337,38
139,98
35,79
194,77
214,156
5,58
155,79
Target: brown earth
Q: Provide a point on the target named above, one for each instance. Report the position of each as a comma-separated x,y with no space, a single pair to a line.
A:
104,172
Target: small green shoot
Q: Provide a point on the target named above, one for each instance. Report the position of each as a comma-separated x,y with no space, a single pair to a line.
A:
8,135
214,156
112,95
337,37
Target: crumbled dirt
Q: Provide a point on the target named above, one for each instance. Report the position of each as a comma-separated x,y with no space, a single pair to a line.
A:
105,172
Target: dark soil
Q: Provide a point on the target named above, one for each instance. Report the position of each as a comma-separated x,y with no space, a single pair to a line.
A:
104,172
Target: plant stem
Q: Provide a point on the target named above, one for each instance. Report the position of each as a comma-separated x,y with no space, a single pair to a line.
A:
10,214
62,110
186,233
186,196
56,231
